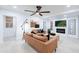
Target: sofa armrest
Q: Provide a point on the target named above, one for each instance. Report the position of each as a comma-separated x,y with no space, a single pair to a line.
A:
51,45
47,47
51,41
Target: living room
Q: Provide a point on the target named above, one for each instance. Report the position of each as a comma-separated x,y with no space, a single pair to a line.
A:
62,20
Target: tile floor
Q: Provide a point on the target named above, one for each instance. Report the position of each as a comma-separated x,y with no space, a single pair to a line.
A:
15,47
66,45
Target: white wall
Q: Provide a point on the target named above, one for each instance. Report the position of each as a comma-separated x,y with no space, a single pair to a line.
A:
37,20
65,18
73,22
47,23
78,27
19,19
1,29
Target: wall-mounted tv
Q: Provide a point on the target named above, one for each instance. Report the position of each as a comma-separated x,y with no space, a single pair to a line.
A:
60,23
36,25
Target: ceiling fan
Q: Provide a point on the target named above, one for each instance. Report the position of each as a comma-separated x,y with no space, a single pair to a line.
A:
37,11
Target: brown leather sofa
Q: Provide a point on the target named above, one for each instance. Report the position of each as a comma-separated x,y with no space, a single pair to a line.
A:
46,46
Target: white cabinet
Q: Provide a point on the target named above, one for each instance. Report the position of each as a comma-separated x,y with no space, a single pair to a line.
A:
72,26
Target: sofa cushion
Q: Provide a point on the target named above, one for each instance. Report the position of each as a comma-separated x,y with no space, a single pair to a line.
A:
30,34
34,31
53,34
44,39
40,34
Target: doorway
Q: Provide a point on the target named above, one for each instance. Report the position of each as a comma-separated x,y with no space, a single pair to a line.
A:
9,28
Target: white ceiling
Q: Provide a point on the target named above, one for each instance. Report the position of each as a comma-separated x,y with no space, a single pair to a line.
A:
54,9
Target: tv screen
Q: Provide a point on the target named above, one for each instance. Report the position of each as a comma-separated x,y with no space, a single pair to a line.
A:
61,23
36,25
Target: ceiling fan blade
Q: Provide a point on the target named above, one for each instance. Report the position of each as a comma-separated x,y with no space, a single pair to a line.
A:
28,11
45,12
40,14
33,13
38,9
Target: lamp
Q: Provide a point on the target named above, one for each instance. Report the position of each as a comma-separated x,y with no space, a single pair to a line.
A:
24,24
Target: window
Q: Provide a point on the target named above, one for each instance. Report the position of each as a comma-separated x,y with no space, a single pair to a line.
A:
9,22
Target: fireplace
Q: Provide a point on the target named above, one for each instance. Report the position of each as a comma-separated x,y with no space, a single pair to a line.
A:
60,30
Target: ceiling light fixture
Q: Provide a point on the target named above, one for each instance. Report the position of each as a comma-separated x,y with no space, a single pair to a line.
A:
68,6
14,6
37,13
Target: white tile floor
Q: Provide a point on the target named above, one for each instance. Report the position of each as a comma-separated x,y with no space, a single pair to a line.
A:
66,45
15,47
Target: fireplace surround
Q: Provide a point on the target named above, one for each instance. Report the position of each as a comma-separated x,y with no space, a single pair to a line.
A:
58,30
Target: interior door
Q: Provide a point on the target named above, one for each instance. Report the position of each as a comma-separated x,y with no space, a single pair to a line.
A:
9,27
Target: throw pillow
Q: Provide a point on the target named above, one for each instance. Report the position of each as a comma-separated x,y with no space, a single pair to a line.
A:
30,34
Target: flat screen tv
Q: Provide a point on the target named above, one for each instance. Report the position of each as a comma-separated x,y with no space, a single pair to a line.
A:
36,25
60,23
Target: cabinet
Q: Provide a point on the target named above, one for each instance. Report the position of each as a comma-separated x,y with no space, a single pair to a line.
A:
72,26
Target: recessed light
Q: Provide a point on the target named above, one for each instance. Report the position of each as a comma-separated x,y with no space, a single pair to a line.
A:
14,6
37,13
68,6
